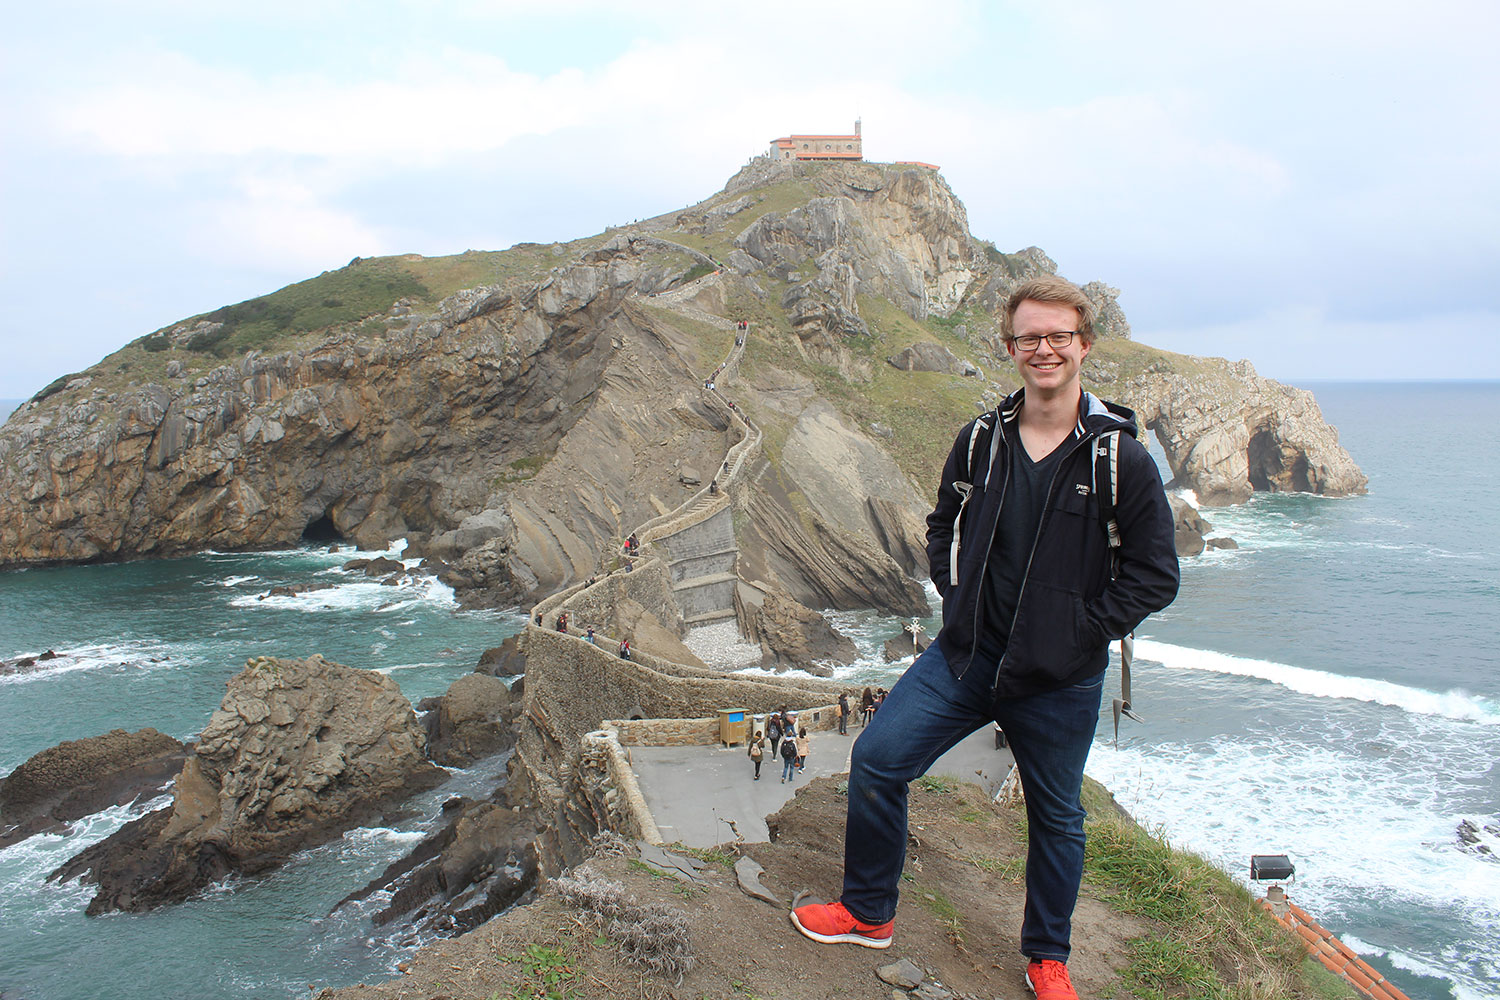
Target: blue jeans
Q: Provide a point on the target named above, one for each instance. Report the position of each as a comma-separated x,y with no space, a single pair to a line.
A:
925,715
788,768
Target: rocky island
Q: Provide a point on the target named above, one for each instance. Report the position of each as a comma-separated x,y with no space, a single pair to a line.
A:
728,415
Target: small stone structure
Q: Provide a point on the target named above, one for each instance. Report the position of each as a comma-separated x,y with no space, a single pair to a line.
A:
819,147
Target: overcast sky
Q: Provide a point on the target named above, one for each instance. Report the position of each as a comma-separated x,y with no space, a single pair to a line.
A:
1308,185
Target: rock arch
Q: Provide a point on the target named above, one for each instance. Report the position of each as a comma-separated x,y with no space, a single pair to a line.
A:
1229,433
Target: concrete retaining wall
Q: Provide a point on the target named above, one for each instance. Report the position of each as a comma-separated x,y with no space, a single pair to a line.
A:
704,598
705,732
711,564
714,535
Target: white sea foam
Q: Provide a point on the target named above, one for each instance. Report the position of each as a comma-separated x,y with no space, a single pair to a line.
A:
235,581
410,666
358,592
140,654
383,835
1361,831
1454,704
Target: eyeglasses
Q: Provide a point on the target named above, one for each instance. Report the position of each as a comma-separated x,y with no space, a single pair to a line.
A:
1057,340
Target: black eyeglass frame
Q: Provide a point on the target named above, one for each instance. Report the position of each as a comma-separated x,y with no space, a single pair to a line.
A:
1051,339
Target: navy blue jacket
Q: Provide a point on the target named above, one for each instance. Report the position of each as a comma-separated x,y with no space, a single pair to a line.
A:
1070,607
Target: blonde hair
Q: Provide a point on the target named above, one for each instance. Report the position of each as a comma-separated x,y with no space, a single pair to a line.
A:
1049,288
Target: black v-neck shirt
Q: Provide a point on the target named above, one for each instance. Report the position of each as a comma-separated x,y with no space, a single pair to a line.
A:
1015,532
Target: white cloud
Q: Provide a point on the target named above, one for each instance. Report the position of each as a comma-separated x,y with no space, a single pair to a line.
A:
1205,159
419,112
282,221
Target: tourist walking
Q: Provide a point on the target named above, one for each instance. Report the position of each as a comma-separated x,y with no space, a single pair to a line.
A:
788,759
624,650
1031,600
866,707
804,745
773,731
843,713
757,753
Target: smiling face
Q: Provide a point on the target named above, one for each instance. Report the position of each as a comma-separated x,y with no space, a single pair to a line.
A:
1048,371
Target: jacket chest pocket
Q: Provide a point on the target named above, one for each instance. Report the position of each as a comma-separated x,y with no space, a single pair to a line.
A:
1073,542
1077,499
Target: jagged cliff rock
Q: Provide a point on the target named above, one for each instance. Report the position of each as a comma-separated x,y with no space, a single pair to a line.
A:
479,863
471,720
376,435
298,752
853,486
929,357
897,233
1188,527
799,637
77,778
1228,432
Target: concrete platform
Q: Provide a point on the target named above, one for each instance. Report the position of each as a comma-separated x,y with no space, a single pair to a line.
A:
702,795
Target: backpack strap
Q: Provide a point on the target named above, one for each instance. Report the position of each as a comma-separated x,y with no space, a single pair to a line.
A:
1107,492
964,490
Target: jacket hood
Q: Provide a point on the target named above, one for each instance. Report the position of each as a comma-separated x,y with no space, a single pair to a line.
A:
1095,415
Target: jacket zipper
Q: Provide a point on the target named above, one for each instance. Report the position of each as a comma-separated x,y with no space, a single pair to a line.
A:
1036,540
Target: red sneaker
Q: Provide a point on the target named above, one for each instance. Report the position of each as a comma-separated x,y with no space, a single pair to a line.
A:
832,924
1049,981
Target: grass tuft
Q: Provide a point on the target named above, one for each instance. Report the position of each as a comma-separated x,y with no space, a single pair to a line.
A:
1215,945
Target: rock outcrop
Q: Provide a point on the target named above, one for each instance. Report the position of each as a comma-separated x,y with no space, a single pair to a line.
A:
479,863
929,357
899,647
77,778
298,752
797,637
1227,433
897,233
1188,525
505,660
471,720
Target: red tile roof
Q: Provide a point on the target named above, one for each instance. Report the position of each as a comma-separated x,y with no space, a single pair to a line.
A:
1335,955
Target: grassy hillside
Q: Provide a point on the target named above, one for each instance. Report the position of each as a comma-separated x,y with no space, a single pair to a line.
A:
352,297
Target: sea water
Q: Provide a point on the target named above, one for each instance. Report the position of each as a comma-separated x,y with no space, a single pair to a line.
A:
152,644
1327,691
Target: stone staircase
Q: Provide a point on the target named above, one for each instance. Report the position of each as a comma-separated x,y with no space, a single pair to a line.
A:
696,538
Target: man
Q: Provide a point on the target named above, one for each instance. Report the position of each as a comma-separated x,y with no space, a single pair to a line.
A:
1032,596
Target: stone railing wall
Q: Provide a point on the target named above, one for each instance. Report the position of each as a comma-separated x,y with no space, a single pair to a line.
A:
705,732
649,584
626,806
